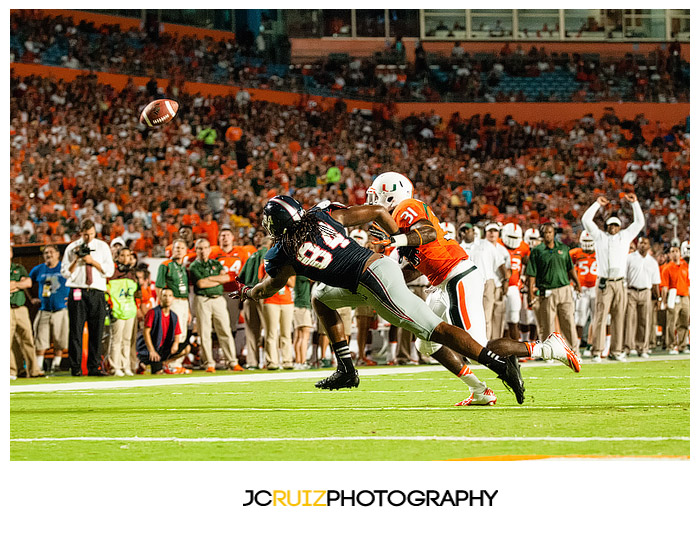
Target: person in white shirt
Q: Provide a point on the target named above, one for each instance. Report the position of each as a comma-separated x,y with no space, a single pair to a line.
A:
612,248
86,265
494,268
493,233
643,280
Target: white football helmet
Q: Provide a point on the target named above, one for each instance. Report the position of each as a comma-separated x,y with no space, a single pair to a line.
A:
685,249
586,242
389,189
360,236
532,237
512,235
449,229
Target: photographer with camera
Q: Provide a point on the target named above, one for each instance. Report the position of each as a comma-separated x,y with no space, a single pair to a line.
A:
86,265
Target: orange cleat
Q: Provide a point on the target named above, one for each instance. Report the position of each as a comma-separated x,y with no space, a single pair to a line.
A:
237,368
211,369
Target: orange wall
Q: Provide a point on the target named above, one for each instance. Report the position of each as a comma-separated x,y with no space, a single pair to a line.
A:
312,48
667,114
127,23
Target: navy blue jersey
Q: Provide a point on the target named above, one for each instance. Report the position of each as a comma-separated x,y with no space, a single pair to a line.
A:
331,258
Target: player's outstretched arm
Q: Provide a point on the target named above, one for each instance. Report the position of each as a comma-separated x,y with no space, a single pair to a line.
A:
266,288
361,214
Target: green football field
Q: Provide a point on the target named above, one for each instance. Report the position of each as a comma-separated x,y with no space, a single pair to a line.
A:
639,408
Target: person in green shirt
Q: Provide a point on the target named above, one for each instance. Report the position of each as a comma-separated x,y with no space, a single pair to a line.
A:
20,324
549,271
123,291
303,321
208,278
252,310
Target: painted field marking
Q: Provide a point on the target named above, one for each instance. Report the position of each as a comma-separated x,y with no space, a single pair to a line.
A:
466,439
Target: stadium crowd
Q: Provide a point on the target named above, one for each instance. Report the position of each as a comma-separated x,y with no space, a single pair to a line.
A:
661,77
78,154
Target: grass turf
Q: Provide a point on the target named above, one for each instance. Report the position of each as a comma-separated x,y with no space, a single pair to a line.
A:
616,400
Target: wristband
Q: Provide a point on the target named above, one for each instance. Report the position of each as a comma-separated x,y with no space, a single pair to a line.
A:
399,240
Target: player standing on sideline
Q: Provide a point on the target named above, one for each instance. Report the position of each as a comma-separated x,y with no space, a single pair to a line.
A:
314,244
586,266
512,238
457,298
675,289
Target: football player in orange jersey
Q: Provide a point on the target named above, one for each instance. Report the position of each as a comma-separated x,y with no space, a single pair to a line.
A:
512,239
458,294
584,260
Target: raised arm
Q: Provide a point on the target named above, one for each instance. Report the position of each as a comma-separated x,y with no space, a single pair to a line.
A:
361,214
638,224
587,218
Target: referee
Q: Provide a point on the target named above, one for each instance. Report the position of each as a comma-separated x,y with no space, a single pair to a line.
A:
86,265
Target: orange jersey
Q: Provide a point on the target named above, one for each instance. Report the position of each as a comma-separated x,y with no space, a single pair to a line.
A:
516,262
437,258
231,262
676,276
586,266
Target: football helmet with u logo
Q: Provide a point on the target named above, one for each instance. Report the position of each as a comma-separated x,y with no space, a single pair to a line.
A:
389,189
279,213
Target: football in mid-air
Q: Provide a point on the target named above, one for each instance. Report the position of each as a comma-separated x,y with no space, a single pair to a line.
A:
159,112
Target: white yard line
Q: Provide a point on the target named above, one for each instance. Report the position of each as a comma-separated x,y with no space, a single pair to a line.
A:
467,439
85,385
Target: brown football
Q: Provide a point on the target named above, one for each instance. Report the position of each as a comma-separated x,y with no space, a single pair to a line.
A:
159,112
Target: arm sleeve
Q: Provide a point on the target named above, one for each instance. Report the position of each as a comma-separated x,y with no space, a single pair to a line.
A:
531,269
160,278
638,224
587,221
106,261
664,277
656,276
66,262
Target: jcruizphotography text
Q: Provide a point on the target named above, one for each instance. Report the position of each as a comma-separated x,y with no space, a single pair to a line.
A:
377,497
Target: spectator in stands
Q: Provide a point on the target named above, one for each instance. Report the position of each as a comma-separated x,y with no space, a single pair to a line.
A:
20,325
550,270
161,345
51,322
612,249
208,278
123,290
675,288
87,263
172,274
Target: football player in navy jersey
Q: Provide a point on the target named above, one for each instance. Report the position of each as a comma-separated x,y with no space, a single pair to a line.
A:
314,244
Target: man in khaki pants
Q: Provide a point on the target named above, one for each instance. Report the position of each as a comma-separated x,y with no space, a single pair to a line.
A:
612,249
208,277
549,270
643,279
20,325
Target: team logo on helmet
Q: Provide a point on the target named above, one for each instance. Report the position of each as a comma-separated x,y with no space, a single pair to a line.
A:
389,189
279,213
586,242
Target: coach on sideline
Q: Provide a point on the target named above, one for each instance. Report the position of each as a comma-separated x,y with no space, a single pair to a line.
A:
643,279
550,269
86,265
612,248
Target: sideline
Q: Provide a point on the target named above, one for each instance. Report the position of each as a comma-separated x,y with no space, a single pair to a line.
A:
107,383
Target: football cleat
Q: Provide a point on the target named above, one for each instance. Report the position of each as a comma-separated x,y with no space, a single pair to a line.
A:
487,398
556,347
595,359
339,380
512,379
176,370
